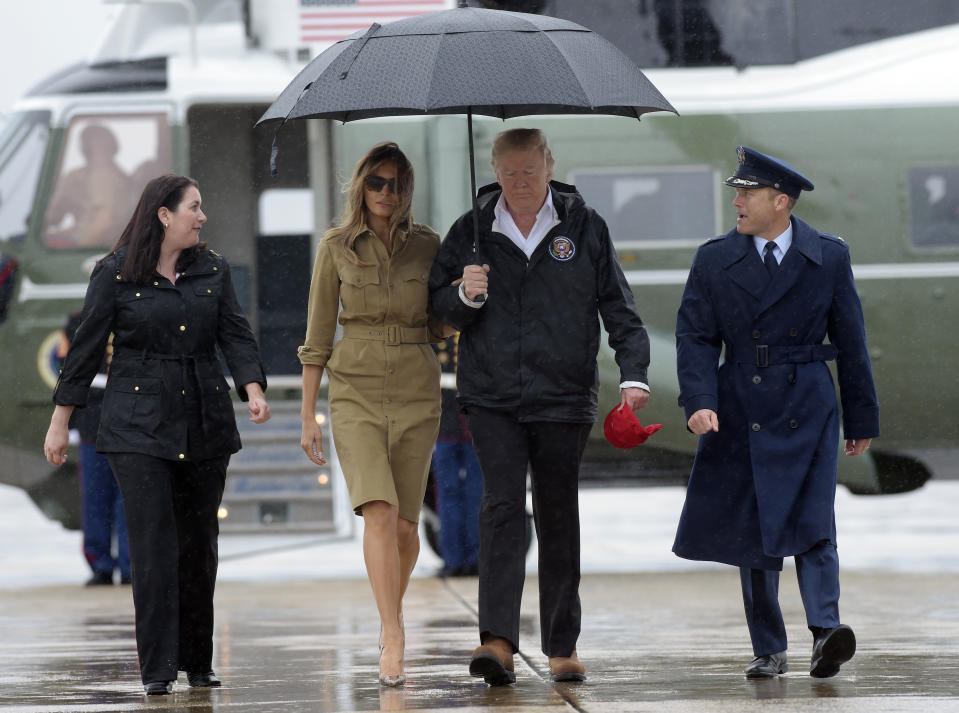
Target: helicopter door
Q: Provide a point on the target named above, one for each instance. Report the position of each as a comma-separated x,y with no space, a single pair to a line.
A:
264,225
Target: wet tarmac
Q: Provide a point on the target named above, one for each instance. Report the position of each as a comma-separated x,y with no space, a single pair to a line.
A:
651,642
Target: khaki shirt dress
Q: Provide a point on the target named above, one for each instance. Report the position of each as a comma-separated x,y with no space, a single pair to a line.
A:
384,376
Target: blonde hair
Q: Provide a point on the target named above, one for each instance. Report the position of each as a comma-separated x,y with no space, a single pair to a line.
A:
521,140
353,222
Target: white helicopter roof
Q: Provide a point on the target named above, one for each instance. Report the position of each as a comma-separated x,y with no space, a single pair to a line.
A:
219,66
914,69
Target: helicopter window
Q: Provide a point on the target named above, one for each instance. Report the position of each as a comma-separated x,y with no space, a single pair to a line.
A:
106,162
653,207
23,141
934,207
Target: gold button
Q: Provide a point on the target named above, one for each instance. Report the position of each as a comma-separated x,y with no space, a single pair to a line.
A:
183,392
118,277
182,327
156,284
209,291
136,388
217,388
215,268
138,294
182,456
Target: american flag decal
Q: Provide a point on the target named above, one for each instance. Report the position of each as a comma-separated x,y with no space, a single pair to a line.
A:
328,21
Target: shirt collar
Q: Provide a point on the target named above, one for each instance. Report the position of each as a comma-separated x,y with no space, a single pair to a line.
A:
783,241
503,220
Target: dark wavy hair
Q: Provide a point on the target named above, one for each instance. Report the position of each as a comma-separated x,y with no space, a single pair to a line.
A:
144,233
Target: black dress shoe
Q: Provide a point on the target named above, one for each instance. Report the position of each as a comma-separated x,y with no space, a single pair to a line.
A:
203,680
832,648
158,688
100,579
767,666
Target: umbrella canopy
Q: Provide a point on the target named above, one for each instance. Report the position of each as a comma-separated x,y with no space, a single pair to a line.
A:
469,61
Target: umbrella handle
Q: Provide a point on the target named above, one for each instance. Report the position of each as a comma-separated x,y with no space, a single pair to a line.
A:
476,260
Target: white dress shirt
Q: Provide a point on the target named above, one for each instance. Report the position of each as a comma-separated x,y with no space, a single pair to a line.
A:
782,242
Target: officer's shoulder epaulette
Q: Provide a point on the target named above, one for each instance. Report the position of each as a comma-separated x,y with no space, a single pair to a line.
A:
214,253
714,240
834,238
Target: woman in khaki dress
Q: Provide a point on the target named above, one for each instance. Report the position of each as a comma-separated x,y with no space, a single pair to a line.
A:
383,374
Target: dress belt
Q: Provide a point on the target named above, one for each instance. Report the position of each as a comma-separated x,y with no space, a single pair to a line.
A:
770,354
392,334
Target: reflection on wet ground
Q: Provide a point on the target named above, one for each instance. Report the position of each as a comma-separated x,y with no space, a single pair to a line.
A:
651,642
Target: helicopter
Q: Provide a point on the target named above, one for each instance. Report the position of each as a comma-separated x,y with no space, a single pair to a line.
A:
872,125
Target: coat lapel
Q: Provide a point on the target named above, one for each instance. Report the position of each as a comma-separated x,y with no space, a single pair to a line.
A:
743,265
805,246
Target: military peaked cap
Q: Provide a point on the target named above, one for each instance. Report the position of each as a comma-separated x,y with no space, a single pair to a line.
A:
757,169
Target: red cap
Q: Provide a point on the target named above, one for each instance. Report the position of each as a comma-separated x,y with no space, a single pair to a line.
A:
624,430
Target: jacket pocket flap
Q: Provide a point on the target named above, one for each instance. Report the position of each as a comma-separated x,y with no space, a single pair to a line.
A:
421,276
360,276
135,385
206,290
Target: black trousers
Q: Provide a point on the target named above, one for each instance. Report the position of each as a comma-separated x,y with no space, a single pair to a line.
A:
551,451
172,526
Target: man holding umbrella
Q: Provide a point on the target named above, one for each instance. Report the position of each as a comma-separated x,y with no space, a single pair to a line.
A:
528,382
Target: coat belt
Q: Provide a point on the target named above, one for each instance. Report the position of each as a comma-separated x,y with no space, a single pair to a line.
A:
762,355
189,365
392,334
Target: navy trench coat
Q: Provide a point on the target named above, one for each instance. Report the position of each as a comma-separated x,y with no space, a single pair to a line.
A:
763,486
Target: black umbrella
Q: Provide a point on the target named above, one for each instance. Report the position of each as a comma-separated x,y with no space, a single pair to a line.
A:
468,61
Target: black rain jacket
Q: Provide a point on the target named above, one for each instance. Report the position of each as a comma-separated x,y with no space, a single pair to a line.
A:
166,394
531,348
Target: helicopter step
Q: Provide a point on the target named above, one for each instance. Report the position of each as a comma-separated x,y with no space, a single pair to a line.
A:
271,487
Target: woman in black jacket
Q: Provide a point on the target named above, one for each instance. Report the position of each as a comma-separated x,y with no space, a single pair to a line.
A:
168,424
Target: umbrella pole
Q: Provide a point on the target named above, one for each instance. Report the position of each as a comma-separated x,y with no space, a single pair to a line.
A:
476,260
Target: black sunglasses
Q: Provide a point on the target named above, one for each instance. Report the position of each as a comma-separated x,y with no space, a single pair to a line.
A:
376,183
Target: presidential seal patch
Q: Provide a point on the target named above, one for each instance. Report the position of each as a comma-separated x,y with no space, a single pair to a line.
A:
562,248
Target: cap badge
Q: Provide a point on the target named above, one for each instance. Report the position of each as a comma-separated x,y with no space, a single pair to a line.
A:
741,155
562,248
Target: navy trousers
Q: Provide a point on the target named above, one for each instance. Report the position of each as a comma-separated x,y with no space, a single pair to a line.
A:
459,488
103,515
172,524
818,574
551,452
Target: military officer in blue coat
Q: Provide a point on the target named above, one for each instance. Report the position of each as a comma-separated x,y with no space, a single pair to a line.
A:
767,296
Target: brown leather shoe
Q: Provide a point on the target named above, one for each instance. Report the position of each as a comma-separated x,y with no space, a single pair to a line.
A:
567,668
493,662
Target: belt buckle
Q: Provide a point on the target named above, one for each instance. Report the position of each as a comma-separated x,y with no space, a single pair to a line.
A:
762,355
393,335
